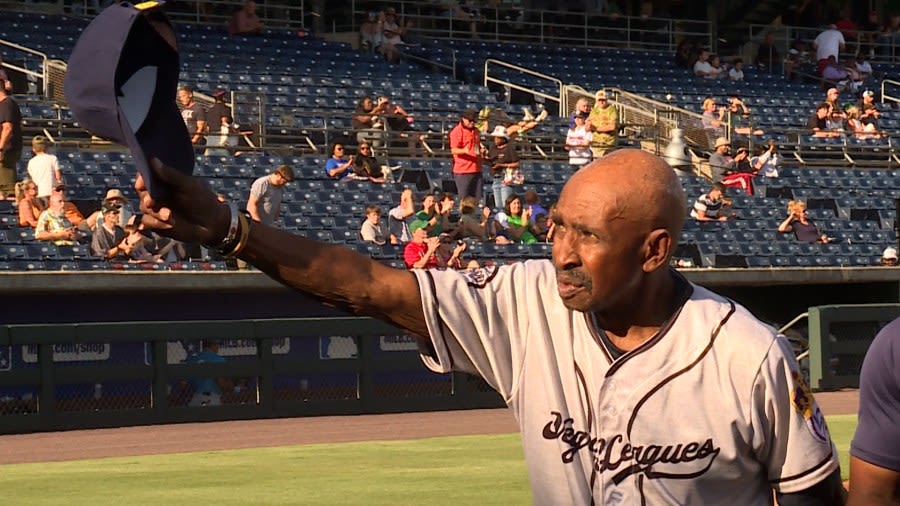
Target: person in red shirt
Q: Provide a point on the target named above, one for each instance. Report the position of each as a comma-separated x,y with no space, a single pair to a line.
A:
419,252
465,146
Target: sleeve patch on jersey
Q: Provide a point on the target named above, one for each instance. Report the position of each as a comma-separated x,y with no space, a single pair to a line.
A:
803,401
480,277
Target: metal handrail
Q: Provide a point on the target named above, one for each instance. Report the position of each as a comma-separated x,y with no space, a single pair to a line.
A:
884,96
559,99
42,75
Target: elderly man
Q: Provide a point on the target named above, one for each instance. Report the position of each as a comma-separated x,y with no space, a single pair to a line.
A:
603,121
629,383
52,224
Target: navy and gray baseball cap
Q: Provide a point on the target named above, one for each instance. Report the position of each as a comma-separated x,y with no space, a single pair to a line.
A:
121,82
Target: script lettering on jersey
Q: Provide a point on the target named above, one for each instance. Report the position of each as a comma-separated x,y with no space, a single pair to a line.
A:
683,460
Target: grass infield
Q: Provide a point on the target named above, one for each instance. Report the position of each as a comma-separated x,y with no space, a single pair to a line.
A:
485,470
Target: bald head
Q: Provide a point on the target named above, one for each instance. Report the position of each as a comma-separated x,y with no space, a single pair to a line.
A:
641,186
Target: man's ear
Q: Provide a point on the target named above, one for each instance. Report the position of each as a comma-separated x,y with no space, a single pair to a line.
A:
658,248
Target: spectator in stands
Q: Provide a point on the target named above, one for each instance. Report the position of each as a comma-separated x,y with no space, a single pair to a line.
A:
505,167
711,205
264,204
722,165
739,117
766,163
449,253
818,122
578,142
533,203
737,70
767,56
869,113
220,124
518,221
338,167
889,257
719,69
604,123
193,114
373,229
109,238
702,67
436,213
471,224
371,33
799,223
10,141
830,42
43,169
582,106
392,34
467,151
115,199
713,117
28,204
399,122
857,127
863,67
366,167
419,251
835,73
369,127
73,214
208,391
401,216
146,248
53,226
219,108
245,20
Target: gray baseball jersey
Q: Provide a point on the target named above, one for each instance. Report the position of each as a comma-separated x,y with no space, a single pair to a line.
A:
711,410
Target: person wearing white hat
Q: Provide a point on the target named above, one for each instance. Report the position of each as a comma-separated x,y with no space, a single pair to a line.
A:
504,167
115,199
603,122
889,256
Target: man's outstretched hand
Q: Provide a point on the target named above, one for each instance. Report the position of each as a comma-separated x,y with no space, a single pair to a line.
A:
192,214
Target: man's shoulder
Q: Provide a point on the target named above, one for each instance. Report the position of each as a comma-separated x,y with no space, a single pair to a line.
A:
737,328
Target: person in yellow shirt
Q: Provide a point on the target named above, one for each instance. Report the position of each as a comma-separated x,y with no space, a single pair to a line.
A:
603,123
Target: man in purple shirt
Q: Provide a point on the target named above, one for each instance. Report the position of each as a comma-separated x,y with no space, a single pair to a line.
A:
875,450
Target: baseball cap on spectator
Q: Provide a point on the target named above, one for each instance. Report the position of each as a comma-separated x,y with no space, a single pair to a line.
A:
889,254
722,141
39,140
109,207
868,93
416,225
120,81
600,95
469,114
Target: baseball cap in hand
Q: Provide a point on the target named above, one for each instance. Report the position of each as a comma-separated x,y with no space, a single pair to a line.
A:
121,82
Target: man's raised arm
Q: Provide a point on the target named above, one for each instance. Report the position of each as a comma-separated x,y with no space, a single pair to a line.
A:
335,275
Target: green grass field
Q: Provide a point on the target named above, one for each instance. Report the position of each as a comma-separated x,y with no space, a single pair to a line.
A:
484,470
